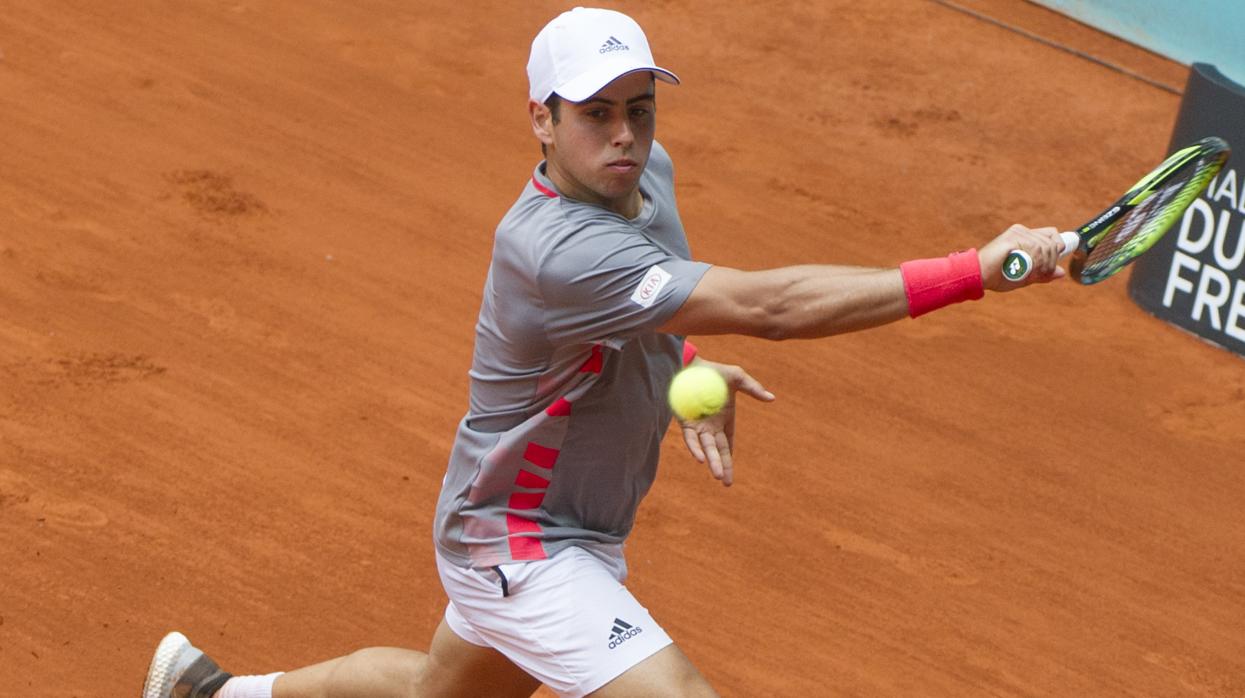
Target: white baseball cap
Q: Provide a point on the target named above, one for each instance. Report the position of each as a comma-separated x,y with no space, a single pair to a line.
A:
585,49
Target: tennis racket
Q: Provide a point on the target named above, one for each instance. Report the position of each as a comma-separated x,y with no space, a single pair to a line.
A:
1130,226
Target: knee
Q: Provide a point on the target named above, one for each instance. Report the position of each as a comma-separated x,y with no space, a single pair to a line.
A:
691,684
386,671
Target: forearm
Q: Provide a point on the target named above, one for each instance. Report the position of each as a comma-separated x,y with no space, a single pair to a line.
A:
809,301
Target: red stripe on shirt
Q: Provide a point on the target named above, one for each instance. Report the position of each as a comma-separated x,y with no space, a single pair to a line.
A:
543,189
560,408
543,456
527,478
526,500
524,547
594,362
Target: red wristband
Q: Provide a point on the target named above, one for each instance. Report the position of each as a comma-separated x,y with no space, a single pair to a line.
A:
931,284
689,351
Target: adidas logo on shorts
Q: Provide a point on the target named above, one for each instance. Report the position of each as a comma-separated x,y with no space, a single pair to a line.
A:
622,631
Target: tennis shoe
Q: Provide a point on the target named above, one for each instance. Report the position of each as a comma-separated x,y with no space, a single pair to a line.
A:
181,670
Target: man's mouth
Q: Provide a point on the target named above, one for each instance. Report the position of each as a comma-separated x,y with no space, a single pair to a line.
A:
622,165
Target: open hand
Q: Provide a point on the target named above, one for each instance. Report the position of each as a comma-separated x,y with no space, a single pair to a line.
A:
712,439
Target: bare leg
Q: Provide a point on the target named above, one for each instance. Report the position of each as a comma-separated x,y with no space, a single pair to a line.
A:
668,673
453,667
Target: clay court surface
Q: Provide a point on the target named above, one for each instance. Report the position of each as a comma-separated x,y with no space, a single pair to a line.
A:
241,253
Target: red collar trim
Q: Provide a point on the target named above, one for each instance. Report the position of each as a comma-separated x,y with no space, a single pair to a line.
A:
543,189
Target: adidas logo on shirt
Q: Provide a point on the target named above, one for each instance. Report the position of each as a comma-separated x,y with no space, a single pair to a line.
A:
622,631
613,45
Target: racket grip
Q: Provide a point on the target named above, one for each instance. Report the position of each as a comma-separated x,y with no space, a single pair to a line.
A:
1018,263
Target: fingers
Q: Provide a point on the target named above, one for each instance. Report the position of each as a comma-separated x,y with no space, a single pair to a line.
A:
1049,246
1043,246
717,450
714,449
692,440
739,380
753,388
728,459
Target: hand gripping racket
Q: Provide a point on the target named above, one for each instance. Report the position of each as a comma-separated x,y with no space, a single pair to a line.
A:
1133,224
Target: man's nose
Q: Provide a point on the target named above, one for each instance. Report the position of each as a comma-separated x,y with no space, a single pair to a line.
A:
623,135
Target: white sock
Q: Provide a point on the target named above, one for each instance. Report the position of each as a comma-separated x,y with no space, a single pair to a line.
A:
248,686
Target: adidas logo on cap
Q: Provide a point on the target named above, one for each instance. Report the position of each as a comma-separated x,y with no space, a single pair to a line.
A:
622,631
613,45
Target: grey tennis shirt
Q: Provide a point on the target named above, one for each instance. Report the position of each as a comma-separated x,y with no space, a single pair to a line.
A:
568,379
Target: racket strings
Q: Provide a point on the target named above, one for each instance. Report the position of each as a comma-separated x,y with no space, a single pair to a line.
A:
1140,228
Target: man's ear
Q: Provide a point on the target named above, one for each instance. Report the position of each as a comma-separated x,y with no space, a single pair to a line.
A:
542,121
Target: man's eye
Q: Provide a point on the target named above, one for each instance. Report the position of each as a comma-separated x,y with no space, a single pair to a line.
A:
639,112
596,113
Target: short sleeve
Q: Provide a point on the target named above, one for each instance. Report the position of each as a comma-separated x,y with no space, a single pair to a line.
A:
604,283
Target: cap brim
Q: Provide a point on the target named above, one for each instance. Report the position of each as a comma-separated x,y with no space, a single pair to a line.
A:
593,81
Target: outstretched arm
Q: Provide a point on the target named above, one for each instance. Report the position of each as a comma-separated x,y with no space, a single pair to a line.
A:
811,301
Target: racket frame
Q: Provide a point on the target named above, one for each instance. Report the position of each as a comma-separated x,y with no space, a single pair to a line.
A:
1018,263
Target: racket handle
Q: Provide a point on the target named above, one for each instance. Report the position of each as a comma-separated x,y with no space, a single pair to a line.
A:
1018,263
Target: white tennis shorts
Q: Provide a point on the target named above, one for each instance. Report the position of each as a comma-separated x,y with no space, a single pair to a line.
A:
568,621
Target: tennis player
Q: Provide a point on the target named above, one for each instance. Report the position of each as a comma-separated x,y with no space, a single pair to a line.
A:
588,298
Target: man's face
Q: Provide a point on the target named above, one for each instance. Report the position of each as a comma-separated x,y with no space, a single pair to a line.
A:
601,145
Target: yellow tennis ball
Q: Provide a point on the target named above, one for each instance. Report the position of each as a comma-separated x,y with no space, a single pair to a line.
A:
697,392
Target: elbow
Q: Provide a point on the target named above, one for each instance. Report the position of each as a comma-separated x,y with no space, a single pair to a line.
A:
767,307
776,333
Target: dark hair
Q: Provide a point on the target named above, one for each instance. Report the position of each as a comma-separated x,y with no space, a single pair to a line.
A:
555,106
555,110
